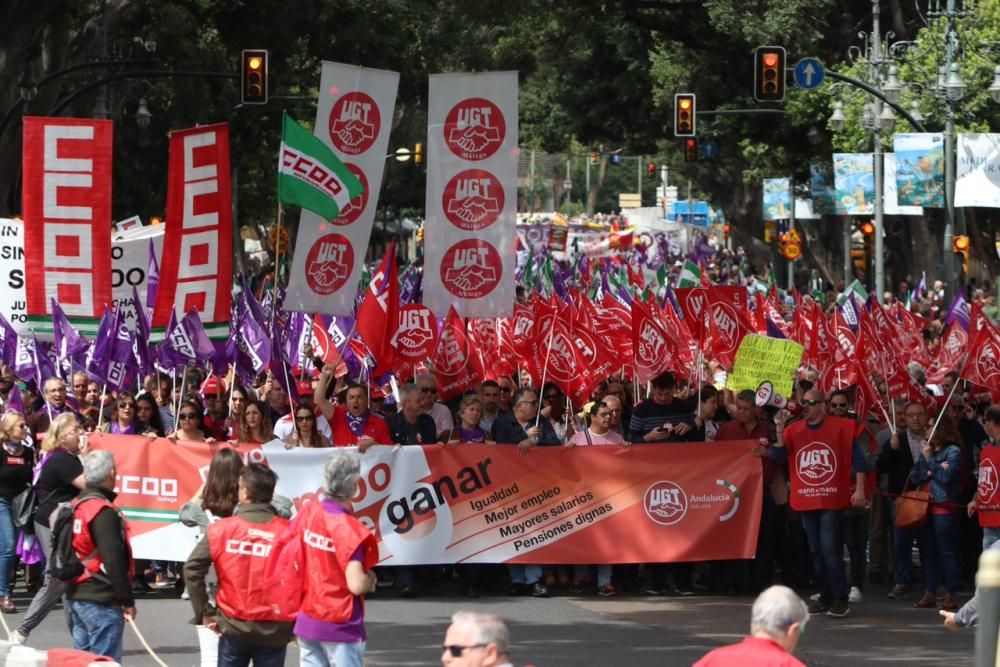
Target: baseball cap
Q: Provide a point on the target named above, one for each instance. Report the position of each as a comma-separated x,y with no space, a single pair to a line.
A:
304,388
213,385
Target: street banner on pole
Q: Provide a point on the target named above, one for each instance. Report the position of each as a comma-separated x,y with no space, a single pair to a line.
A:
196,270
67,219
920,169
479,504
777,199
353,119
471,206
854,181
890,199
977,167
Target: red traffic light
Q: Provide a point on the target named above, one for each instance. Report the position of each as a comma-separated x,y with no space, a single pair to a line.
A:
651,168
691,150
769,73
868,229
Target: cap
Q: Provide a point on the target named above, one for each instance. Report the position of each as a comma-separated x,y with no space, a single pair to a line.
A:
297,372
304,388
376,393
213,385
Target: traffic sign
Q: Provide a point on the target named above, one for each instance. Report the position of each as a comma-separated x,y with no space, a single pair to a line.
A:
709,150
809,73
791,251
793,236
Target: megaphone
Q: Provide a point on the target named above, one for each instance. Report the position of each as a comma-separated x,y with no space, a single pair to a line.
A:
766,395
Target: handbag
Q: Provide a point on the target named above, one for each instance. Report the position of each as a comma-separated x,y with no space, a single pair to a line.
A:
912,507
23,507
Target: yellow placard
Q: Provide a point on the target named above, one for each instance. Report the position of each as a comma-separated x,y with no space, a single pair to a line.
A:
762,358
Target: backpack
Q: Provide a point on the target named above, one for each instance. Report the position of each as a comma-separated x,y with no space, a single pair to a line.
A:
64,563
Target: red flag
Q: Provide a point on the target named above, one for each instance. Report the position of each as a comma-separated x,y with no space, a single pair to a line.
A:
729,320
651,343
983,365
379,312
950,353
457,366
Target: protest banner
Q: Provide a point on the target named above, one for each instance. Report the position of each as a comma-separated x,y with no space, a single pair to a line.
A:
480,504
760,358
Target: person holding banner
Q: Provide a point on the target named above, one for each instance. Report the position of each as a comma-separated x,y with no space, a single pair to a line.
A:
189,426
818,449
353,424
411,426
439,412
254,426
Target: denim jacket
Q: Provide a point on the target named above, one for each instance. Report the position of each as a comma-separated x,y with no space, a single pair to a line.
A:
943,482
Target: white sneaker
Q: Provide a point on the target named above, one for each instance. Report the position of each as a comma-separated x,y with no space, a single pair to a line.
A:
17,638
815,597
855,595
184,595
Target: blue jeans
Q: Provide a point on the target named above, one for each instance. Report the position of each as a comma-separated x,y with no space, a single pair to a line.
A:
525,574
990,535
330,654
902,551
97,628
8,541
937,552
825,534
235,653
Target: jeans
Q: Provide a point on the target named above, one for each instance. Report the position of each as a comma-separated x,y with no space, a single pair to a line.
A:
990,535
8,541
49,594
525,574
825,534
856,539
938,553
235,653
902,551
97,628
330,654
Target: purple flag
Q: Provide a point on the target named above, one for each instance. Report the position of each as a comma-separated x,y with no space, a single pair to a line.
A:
14,401
44,368
411,291
140,347
8,342
186,342
249,302
24,359
281,375
253,355
122,365
99,354
958,311
68,341
152,277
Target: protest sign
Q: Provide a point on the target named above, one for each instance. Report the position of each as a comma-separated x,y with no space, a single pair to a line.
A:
761,358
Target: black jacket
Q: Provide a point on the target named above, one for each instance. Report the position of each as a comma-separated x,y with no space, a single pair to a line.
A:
897,463
108,532
507,431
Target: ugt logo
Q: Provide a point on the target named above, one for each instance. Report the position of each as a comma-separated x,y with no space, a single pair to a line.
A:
355,122
816,464
987,482
474,129
665,503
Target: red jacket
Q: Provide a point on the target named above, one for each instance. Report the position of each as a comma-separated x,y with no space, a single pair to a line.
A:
239,551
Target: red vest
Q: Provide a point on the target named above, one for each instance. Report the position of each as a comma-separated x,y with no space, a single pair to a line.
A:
820,464
239,552
988,490
84,511
328,542
343,436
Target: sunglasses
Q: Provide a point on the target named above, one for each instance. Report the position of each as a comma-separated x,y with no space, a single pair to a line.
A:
456,650
304,418
429,390
810,402
505,390
838,405
187,415
126,404
551,397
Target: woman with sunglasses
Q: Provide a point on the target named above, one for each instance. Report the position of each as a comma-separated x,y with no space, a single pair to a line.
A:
554,410
123,420
189,425
255,424
148,415
305,433
16,460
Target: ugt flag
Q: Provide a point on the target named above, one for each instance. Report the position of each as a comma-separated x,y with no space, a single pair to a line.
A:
310,175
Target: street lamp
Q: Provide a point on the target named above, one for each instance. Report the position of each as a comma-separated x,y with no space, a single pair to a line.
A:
954,87
837,118
994,89
142,114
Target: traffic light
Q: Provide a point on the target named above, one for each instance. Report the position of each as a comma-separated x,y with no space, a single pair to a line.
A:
253,76
769,73
868,229
691,150
594,157
726,229
859,259
960,244
684,114
418,154
651,169
420,234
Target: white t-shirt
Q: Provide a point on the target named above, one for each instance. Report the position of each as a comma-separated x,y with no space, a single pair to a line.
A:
442,418
285,426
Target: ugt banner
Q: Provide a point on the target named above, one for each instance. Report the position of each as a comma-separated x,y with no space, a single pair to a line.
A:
196,270
470,229
479,504
67,219
354,118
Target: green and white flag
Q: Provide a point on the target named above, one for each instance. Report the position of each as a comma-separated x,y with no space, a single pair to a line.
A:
855,288
690,275
310,175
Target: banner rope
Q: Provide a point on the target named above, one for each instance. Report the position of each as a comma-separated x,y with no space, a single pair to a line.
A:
145,644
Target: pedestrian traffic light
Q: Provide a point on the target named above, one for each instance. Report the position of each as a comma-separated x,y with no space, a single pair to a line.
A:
691,150
868,229
651,169
684,114
594,157
253,76
418,154
769,73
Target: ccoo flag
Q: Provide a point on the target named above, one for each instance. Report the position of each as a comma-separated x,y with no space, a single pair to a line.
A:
310,175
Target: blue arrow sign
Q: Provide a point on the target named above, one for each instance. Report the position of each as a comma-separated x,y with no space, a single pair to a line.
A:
710,150
809,73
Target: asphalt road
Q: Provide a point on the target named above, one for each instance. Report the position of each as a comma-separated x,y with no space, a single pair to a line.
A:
569,630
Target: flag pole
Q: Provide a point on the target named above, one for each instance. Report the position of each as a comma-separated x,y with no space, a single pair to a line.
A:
943,408
100,412
888,398
277,265
545,370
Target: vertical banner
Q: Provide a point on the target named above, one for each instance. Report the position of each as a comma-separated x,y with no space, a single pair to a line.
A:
67,219
777,198
920,169
196,270
978,170
890,197
353,118
819,186
471,206
854,182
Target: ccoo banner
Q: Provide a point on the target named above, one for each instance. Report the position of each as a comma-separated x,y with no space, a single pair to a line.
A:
479,504
978,170
470,229
67,216
354,119
196,271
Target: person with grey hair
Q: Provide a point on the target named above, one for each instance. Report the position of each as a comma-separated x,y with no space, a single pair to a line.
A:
338,554
443,421
476,639
411,425
777,620
100,599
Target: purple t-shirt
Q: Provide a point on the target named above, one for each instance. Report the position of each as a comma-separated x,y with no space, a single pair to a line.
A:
350,631
474,435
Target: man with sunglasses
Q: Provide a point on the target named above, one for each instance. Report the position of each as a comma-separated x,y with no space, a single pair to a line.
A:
506,393
822,454
54,397
427,385
476,640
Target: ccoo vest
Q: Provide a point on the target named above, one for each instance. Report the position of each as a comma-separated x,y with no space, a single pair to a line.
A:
239,551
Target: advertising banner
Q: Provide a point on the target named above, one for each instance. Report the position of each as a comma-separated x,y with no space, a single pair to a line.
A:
978,170
354,118
196,270
470,229
890,196
920,169
479,504
67,216
854,183
777,198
